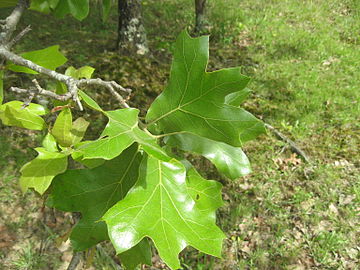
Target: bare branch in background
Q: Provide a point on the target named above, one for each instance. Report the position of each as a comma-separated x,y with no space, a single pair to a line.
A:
292,144
8,27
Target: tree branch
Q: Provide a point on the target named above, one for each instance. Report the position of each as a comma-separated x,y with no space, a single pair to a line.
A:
75,260
292,144
72,84
10,23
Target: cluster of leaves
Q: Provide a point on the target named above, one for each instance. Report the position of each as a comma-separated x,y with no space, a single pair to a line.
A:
132,187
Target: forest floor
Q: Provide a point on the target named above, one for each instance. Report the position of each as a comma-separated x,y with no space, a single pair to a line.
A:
303,58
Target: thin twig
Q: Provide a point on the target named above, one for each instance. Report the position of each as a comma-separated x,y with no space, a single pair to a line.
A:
19,36
75,260
10,23
291,143
72,84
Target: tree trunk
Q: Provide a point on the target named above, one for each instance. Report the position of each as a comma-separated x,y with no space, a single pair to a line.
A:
199,15
131,32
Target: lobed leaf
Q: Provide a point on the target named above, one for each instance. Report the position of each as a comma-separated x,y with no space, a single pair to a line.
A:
229,160
194,100
121,131
160,207
92,192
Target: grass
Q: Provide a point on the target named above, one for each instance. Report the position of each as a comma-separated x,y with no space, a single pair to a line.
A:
303,57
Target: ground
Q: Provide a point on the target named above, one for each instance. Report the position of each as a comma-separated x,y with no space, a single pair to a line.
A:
303,58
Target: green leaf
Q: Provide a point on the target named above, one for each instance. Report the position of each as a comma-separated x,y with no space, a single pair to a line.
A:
53,3
79,8
121,131
89,101
8,3
79,127
62,128
194,100
206,193
139,254
49,143
236,98
12,114
32,107
40,6
89,163
83,72
1,86
50,58
160,207
61,9
92,192
229,160
39,172
106,8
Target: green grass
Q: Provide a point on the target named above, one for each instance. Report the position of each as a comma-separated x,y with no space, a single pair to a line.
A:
304,58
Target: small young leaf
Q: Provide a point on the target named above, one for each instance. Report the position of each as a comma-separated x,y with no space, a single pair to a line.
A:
62,128
139,254
121,131
49,143
79,127
12,114
89,101
50,58
92,192
39,172
229,160
160,207
85,72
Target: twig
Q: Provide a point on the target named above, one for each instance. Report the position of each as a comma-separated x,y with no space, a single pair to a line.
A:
19,36
72,84
10,23
75,260
291,143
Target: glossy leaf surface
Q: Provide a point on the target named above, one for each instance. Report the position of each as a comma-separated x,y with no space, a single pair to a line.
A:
229,160
14,114
49,143
160,207
89,101
194,100
39,172
92,192
50,58
121,131
62,128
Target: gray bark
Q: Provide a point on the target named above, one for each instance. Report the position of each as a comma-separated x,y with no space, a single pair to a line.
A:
131,31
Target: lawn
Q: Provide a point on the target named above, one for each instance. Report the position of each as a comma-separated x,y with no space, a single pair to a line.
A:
303,58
